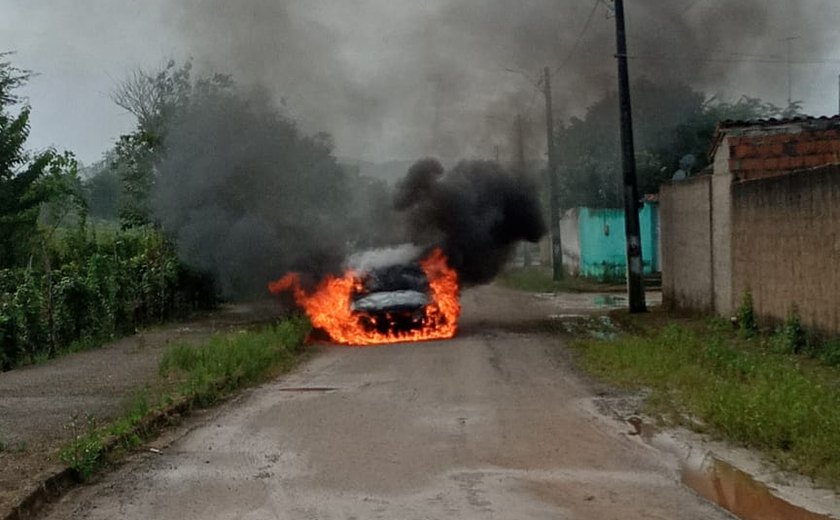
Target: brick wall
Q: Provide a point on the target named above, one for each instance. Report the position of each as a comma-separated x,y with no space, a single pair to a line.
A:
765,154
786,245
685,223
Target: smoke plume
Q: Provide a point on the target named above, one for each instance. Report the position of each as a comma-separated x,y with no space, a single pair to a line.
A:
477,212
403,79
247,197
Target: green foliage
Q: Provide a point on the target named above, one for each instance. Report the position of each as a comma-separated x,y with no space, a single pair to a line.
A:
103,286
829,352
202,373
84,453
27,180
62,286
102,190
156,99
747,324
790,337
745,394
234,360
136,155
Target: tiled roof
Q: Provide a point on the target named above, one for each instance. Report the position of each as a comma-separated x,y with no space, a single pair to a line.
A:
812,123
818,121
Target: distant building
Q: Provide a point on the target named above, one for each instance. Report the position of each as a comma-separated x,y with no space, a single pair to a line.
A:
594,242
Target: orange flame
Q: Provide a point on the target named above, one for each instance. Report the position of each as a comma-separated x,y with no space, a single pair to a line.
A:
329,307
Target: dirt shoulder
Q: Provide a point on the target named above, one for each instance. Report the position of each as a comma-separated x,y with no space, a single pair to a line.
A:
39,403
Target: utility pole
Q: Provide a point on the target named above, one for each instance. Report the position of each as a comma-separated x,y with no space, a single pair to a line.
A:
520,145
790,41
635,275
522,168
553,189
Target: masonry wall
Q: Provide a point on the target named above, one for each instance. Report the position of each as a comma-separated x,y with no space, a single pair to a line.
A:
762,154
594,241
786,245
721,209
570,238
686,226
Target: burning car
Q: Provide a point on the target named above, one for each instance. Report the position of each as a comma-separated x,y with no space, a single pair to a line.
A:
393,298
414,301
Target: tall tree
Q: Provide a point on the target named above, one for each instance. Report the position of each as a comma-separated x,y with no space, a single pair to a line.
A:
156,98
27,180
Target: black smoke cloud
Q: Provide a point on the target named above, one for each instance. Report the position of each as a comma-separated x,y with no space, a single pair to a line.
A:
247,197
400,79
477,212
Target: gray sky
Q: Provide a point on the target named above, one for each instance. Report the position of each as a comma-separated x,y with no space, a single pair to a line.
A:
397,79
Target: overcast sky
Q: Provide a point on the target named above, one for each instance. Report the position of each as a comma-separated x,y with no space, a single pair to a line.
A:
397,79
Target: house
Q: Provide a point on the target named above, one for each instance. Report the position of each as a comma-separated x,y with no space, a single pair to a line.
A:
594,244
766,220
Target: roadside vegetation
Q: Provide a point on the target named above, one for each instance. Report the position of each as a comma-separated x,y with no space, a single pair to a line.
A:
73,275
539,279
194,376
772,391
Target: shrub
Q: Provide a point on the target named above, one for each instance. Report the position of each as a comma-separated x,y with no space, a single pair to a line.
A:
92,288
790,337
746,316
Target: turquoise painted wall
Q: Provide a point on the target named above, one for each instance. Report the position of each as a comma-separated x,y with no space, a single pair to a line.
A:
602,243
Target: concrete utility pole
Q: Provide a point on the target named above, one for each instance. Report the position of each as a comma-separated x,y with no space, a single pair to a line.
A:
553,189
635,274
522,168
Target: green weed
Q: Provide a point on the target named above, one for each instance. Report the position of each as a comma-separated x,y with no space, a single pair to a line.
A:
758,397
539,279
829,353
789,338
84,452
233,360
202,374
747,323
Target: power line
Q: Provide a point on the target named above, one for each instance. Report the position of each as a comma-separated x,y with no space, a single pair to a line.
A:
735,59
580,36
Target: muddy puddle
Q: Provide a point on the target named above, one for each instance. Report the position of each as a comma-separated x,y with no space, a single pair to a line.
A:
740,494
609,301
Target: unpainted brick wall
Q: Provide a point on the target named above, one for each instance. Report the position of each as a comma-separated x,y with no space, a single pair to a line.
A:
685,221
765,155
786,245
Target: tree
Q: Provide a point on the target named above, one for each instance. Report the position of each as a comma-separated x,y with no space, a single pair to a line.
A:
156,99
102,187
671,122
27,180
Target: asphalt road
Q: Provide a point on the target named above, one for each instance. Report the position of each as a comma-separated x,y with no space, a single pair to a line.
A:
494,424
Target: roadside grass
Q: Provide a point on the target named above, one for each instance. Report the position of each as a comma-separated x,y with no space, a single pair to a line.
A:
194,376
751,391
539,279
236,360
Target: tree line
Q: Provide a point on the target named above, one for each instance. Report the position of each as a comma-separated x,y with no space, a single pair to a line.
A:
674,126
